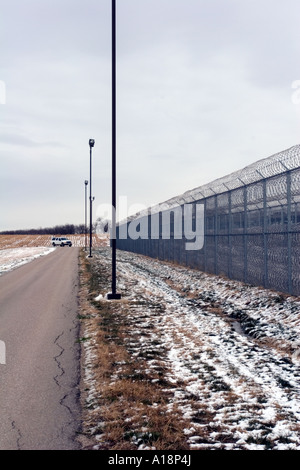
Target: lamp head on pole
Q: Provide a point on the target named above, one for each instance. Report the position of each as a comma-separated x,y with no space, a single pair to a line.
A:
91,142
86,182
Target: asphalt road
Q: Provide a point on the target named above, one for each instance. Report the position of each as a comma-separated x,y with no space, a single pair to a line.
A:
39,382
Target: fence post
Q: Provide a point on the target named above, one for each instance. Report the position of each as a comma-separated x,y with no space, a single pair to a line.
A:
265,235
229,236
245,236
289,232
216,234
205,235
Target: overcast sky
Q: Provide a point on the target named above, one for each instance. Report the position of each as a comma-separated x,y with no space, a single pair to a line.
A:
204,88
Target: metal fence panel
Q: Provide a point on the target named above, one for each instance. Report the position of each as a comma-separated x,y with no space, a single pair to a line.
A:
252,225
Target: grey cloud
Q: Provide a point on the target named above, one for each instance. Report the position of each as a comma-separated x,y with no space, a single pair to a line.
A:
19,140
202,89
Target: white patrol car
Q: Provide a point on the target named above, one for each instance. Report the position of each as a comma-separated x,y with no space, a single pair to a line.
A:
61,241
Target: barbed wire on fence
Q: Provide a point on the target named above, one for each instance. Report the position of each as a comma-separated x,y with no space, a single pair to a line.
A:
252,225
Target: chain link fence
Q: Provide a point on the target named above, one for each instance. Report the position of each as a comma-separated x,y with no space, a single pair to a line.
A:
251,225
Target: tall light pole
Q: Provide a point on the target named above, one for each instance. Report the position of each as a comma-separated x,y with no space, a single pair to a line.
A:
85,213
91,144
113,294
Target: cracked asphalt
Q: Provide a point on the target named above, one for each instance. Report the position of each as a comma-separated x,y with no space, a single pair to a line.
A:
39,382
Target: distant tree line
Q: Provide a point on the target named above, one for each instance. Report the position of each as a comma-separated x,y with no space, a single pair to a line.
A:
100,226
67,229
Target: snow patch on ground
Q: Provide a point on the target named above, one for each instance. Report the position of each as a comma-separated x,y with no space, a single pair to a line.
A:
231,352
12,258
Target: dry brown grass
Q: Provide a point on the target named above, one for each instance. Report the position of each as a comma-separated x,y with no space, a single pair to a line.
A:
21,241
132,406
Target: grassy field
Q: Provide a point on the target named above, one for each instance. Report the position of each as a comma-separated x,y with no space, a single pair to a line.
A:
21,241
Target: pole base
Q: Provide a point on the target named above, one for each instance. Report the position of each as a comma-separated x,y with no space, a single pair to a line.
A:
113,296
